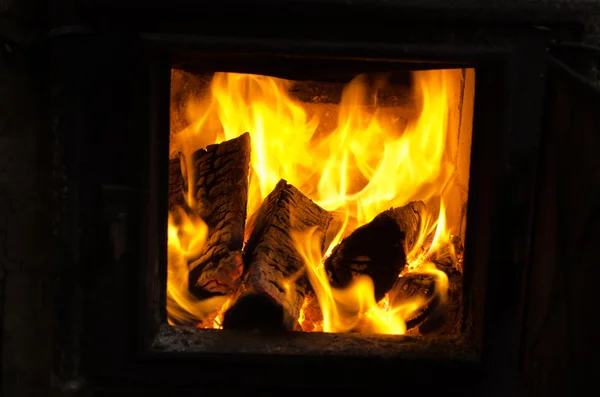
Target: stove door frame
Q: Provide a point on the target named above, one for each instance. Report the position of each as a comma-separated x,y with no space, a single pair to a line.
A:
506,135
494,70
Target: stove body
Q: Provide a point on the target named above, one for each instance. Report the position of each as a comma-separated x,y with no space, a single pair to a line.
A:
109,93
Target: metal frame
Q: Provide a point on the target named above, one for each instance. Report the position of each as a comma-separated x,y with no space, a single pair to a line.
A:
493,76
509,93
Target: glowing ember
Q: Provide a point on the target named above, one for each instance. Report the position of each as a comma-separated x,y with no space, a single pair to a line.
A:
366,164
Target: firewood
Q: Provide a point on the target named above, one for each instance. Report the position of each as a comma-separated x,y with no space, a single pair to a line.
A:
176,198
220,174
446,316
440,315
377,249
415,286
274,284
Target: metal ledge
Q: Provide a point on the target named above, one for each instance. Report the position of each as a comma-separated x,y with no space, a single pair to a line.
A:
189,340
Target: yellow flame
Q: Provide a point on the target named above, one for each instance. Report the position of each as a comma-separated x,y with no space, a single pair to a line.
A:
366,164
186,237
440,247
354,308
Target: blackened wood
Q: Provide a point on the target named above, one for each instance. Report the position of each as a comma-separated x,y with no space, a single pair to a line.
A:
442,313
377,249
447,317
449,256
176,198
414,286
273,288
221,174
444,316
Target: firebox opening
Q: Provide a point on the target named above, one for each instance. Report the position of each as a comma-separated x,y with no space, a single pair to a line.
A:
314,206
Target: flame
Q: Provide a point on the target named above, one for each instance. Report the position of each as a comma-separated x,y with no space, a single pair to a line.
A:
354,308
366,164
260,105
215,320
186,237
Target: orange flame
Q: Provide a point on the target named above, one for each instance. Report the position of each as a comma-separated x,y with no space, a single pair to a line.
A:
186,238
354,308
366,164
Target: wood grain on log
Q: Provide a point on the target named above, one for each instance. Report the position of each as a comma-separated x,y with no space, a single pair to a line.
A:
273,287
221,174
415,286
377,249
446,318
446,315
441,314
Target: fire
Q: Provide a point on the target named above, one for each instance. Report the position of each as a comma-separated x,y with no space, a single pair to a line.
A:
366,164
186,236
354,308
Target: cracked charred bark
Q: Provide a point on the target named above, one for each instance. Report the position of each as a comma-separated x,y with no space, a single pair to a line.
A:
221,192
273,288
377,249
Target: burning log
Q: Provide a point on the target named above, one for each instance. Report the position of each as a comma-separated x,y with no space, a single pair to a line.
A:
377,249
445,317
273,288
176,198
311,316
413,286
220,183
442,313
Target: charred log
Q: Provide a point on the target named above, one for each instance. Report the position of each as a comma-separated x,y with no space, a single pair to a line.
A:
377,249
445,317
442,308
273,288
220,174
416,286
